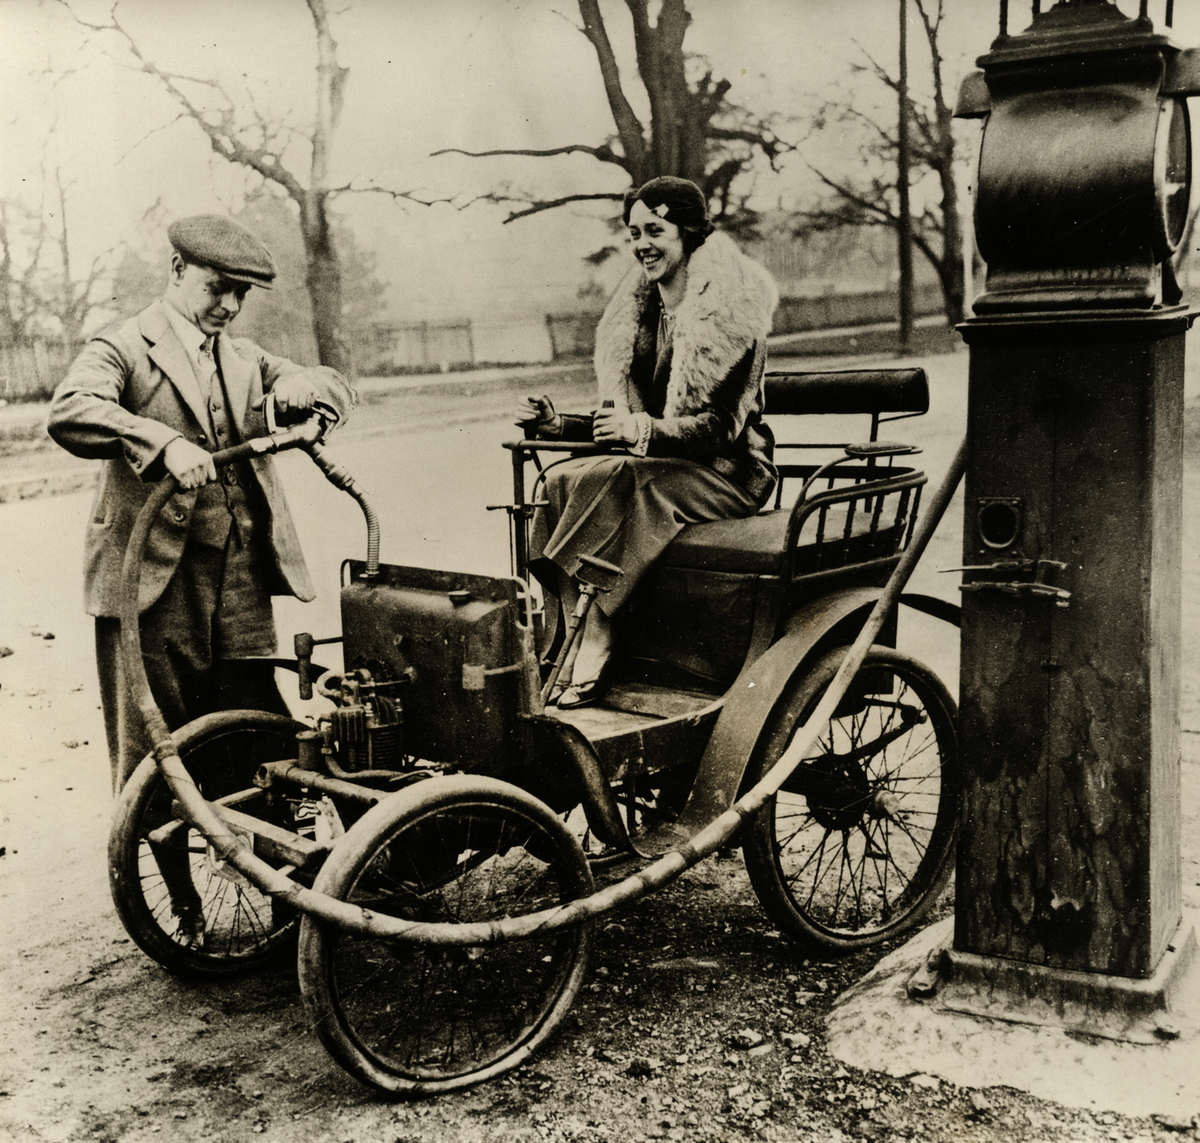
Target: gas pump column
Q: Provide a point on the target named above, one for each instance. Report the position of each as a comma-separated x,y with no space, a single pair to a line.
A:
1068,900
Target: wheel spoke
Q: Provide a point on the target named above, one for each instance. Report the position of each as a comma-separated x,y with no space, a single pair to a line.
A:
819,855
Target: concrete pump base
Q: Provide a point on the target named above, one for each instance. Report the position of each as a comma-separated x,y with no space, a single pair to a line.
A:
1131,1047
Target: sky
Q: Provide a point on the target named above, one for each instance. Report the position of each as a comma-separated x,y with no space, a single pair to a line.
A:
424,74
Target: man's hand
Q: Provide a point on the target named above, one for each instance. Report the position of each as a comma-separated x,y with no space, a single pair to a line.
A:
294,393
613,427
191,465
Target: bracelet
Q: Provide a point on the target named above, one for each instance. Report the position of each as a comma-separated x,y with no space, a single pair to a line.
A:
644,426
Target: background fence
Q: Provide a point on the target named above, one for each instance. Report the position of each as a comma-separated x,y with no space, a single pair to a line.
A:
29,370
440,346
829,310
406,346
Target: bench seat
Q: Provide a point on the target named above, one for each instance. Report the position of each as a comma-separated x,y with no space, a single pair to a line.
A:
758,544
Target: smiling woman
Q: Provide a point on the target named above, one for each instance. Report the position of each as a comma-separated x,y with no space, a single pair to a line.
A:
679,360
659,246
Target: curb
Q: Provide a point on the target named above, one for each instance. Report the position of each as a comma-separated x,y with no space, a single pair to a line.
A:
47,484
22,422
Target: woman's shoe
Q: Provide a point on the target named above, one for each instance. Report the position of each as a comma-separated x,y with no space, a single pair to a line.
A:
581,694
585,693
593,656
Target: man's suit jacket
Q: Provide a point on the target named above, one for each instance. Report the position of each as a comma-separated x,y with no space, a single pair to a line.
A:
129,393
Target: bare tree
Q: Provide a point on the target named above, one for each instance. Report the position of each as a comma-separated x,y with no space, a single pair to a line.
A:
70,299
245,137
694,129
18,299
40,292
872,199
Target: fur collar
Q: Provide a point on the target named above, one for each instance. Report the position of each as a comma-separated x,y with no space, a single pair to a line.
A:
726,308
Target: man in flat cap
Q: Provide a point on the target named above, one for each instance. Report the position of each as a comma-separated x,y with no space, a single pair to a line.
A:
154,396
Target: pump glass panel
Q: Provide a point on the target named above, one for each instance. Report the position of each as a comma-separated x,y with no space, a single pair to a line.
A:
1174,159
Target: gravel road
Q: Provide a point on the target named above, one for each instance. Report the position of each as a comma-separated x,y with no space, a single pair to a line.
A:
698,1024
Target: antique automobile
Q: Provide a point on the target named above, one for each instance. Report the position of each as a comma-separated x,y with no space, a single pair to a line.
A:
438,840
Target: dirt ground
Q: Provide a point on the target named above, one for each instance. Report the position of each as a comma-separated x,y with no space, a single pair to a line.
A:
698,1023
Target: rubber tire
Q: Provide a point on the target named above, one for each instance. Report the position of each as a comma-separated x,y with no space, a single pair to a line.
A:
146,793
795,914
329,958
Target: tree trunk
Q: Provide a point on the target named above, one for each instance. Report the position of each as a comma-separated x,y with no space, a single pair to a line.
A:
949,265
904,229
953,285
678,123
324,281
678,135
324,271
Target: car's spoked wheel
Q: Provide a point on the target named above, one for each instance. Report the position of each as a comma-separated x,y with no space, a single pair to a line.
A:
183,905
858,843
419,1019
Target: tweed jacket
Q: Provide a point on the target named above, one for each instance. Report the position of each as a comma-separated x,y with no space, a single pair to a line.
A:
129,393
705,394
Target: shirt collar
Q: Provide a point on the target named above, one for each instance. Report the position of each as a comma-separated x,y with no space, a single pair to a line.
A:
191,335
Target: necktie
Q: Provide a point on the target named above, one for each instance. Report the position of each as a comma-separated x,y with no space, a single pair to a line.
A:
211,391
208,363
210,387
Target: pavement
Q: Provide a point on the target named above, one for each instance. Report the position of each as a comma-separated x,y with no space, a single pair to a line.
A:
877,1025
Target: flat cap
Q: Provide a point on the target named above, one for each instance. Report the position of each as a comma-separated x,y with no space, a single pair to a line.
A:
219,242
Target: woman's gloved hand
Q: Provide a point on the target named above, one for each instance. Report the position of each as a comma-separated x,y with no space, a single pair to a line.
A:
613,427
537,415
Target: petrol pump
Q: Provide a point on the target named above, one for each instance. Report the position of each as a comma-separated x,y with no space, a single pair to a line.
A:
1068,898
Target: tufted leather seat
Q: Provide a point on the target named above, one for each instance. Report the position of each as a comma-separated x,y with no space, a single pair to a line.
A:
756,544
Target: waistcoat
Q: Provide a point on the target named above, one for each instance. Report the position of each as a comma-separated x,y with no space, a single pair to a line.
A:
234,500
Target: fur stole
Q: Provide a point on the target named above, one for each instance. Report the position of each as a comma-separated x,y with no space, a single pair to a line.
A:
727,307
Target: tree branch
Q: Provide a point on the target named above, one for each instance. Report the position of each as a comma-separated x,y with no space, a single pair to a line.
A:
771,146
879,71
220,135
149,135
694,129
629,127
390,192
604,153
871,207
709,96
931,21
537,207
